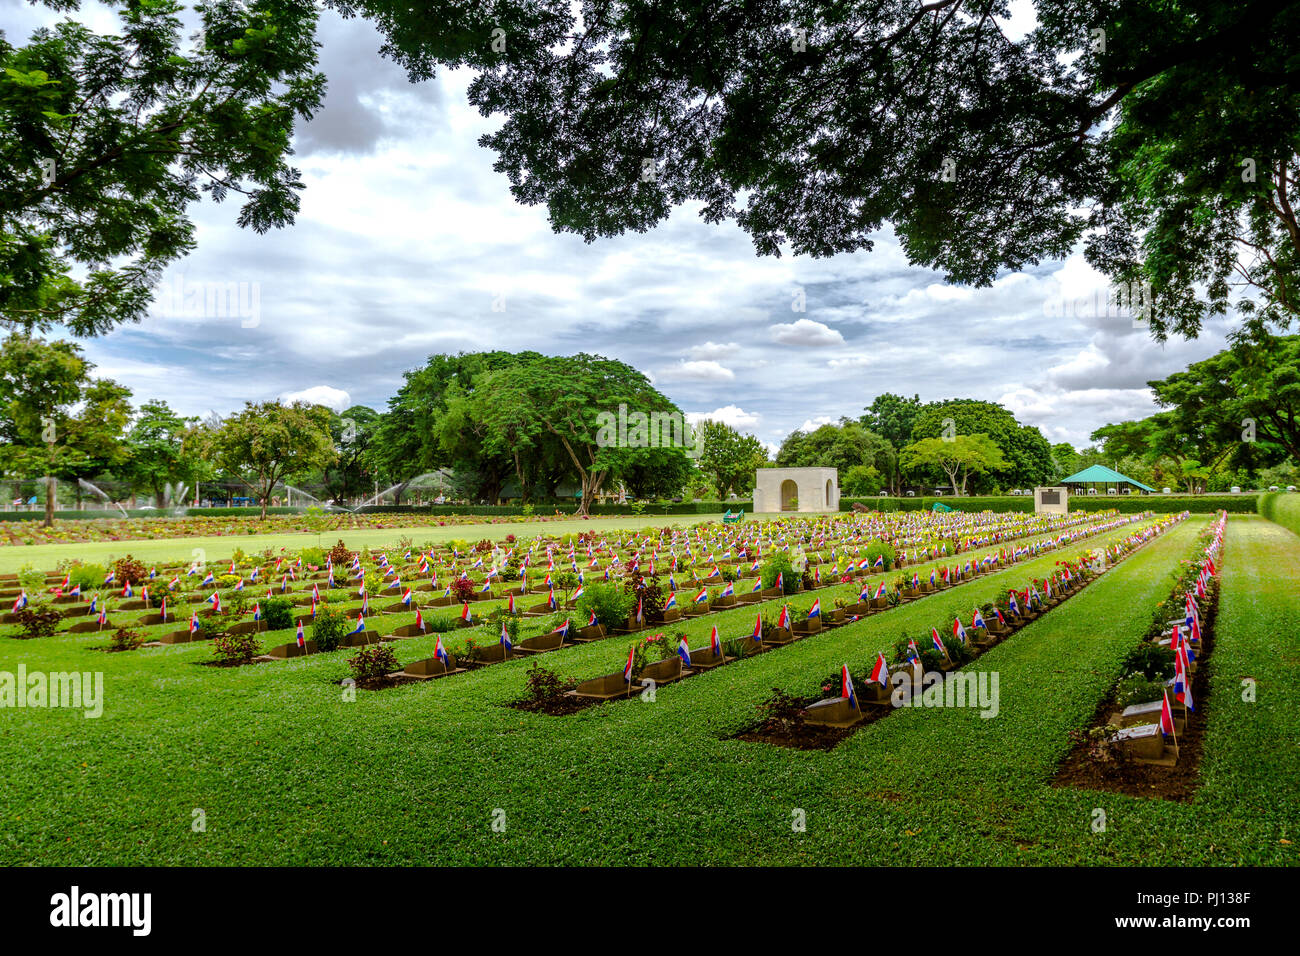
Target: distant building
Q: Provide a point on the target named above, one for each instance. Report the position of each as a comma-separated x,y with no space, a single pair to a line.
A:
796,489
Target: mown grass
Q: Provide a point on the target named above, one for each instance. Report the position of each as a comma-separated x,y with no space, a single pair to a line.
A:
289,772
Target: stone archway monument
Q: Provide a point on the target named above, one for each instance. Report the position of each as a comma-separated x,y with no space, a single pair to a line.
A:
796,489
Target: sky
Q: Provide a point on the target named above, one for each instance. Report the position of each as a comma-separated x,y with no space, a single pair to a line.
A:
408,244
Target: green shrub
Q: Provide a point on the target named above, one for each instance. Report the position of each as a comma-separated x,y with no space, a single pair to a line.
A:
329,628
876,548
314,556
1151,661
373,662
1124,504
125,639
87,576
277,612
1136,689
236,648
37,620
544,685
608,601
1282,508
958,652
779,564
129,569
31,578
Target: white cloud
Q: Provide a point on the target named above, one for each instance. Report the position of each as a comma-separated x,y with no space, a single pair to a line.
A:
326,395
406,236
806,332
732,415
713,350
812,424
697,371
853,361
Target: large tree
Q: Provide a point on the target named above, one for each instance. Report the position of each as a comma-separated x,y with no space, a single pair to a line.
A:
1246,395
570,400
729,459
958,457
107,138
1028,455
1237,410
812,124
268,443
352,431
892,416
96,431
56,421
432,423
845,447
163,450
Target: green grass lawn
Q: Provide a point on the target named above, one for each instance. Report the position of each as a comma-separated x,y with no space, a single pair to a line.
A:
289,772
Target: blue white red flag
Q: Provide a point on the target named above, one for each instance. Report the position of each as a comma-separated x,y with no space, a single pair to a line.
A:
880,673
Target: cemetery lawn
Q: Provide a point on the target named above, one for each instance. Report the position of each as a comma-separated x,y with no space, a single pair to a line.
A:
286,771
47,556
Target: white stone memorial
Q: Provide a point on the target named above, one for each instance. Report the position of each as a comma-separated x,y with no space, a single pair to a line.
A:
796,489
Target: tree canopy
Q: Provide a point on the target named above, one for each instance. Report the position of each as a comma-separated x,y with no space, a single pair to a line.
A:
268,443
1163,137
812,124
1027,453
957,457
730,458
106,139
56,421
1237,411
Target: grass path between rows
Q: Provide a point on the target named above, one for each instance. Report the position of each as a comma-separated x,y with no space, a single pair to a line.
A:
287,771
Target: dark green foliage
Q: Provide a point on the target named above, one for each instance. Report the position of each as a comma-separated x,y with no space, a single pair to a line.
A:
608,601
236,648
126,639
1151,661
329,627
373,662
775,564
142,115
1282,507
277,613
37,620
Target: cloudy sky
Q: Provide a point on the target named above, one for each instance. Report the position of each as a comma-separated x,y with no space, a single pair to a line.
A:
409,244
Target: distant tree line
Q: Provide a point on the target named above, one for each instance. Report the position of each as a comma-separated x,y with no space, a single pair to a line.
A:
480,426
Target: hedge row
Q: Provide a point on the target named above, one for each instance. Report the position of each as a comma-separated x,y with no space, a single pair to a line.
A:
1124,504
1282,508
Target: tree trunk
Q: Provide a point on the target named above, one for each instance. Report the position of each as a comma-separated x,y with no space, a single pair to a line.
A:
50,492
590,481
